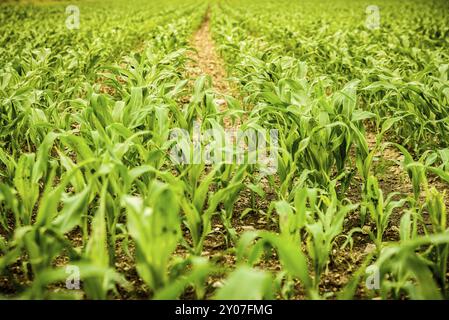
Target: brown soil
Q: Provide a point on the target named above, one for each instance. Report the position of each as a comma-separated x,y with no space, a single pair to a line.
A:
205,60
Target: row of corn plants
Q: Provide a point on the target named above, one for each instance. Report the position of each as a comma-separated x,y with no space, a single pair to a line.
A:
402,65
323,146
88,183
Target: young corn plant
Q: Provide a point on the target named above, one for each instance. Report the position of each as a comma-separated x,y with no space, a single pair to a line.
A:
43,239
323,224
415,170
404,271
154,225
246,283
99,279
253,245
380,209
436,208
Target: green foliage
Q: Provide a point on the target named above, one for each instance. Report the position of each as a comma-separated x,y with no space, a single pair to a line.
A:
87,178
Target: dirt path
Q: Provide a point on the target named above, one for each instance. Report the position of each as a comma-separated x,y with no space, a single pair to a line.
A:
206,59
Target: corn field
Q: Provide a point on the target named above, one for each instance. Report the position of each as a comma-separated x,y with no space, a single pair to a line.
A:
224,149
